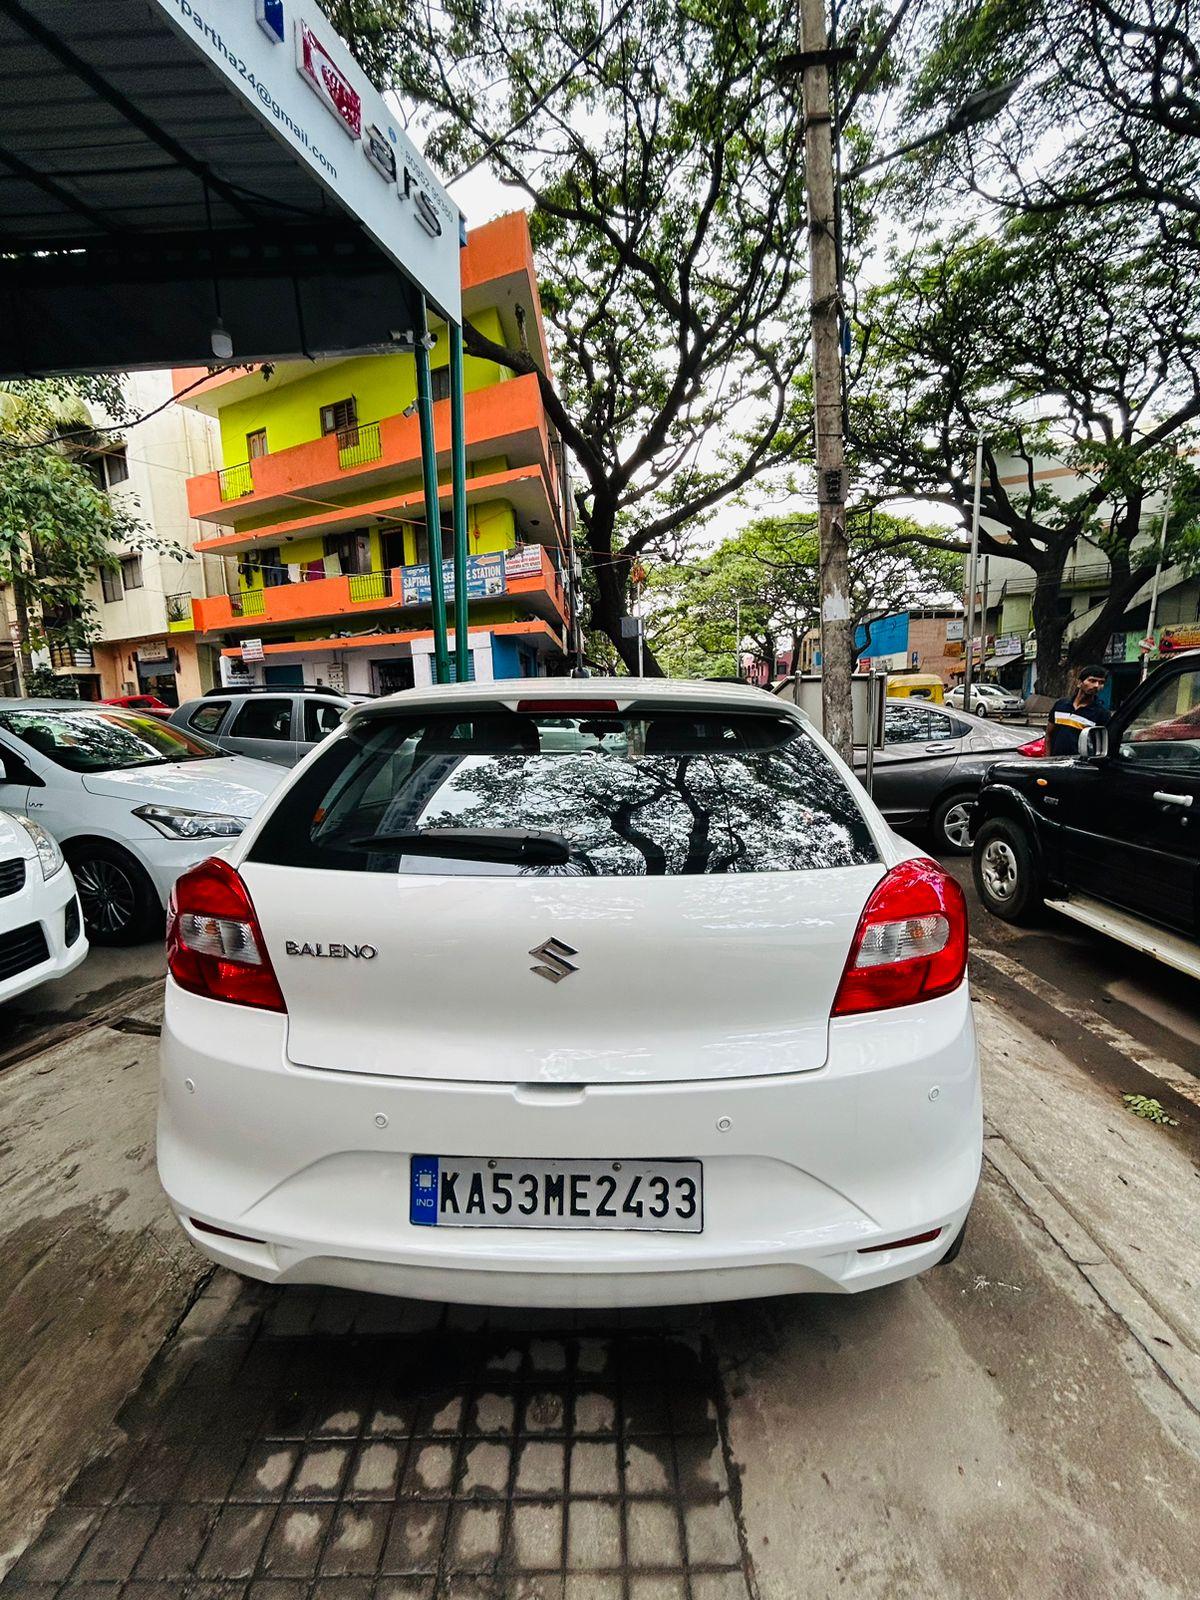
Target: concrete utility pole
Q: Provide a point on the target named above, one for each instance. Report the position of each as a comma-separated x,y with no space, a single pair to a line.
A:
825,300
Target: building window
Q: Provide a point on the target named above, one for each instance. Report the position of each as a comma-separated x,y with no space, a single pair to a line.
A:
256,444
110,583
116,467
341,414
131,572
439,381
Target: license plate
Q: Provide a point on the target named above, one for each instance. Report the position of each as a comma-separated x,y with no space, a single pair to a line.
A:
500,1192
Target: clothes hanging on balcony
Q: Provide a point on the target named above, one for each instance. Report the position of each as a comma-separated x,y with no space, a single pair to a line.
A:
294,573
314,569
333,566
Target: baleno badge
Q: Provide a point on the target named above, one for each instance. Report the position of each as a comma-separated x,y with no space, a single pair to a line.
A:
341,952
554,954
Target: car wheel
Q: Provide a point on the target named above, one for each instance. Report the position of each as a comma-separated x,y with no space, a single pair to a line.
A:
951,823
120,904
1004,871
981,709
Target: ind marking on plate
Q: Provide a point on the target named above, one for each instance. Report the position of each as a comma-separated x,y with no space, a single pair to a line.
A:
423,1191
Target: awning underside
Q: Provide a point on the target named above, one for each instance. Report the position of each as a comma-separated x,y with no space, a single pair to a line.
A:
130,178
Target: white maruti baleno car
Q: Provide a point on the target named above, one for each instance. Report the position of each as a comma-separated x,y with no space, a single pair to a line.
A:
571,992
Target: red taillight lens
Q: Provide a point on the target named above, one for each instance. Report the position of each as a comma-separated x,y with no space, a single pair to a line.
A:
867,1249
1035,747
910,944
565,708
215,946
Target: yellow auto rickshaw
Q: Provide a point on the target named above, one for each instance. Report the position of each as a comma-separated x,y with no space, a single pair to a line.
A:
916,686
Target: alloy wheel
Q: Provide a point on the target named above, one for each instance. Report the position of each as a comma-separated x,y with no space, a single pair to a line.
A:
999,870
107,893
956,824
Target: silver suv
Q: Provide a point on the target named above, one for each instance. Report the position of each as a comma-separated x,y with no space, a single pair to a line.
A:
279,725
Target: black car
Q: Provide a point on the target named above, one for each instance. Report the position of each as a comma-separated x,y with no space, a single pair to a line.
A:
931,766
1110,837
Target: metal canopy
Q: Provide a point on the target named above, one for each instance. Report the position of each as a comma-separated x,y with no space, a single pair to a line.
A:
146,189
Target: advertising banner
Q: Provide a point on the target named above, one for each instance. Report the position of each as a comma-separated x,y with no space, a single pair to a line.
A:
485,578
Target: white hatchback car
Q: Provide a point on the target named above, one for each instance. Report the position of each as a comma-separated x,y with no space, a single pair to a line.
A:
41,928
132,801
593,992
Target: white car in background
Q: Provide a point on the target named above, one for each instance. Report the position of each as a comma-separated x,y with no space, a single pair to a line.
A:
987,700
41,927
132,801
595,992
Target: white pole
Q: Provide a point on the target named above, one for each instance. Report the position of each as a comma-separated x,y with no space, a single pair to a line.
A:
1162,550
973,574
737,639
641,633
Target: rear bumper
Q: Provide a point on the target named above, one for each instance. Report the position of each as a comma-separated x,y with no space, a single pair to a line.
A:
800,1172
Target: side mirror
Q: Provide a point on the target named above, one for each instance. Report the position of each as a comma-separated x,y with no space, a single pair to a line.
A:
1093,743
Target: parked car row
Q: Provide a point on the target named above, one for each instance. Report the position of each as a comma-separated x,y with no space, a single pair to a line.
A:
987,700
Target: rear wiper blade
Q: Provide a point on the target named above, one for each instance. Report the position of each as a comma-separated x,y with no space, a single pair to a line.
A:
523,847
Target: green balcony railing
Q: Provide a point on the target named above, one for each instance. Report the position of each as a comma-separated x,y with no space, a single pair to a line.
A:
370,585
359,444
248,603
236,482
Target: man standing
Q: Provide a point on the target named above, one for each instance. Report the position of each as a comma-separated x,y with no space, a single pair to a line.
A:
1069,716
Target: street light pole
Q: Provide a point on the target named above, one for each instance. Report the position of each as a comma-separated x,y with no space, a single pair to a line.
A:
1162,550
972,576
737,638
825,302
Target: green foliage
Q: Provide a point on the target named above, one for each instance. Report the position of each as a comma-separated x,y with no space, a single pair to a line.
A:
772,568
1060,338
43,683
665,174
57,527
1142,1106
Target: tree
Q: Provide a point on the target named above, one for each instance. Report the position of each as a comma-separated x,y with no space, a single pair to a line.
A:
772,568
1070,337
664,167
57,527
1120,77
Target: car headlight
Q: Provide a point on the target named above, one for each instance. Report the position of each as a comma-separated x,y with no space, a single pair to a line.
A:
176,822
50,856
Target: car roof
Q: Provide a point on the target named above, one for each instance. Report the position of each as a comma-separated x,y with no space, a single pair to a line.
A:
683,693
12,703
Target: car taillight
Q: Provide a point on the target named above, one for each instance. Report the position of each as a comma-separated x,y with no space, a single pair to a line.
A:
910,944
215,946
1035,747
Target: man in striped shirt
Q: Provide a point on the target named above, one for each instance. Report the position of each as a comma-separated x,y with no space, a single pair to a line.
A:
1069,716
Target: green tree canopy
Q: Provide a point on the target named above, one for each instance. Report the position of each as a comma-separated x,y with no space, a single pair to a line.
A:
663,164
772,568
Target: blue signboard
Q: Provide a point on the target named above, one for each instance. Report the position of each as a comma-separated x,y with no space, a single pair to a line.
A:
485,577
888,636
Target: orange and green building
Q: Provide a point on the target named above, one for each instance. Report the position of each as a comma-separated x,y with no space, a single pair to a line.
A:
318,514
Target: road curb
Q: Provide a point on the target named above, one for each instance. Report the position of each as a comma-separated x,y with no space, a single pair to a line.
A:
1165,1347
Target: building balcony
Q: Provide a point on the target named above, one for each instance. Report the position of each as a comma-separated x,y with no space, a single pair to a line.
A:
79,658
179,612
526,573
506,419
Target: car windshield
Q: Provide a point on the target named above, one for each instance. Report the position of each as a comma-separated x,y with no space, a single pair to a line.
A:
103,740
648,793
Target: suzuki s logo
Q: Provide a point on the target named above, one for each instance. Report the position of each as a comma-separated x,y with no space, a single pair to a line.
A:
338,952
554,955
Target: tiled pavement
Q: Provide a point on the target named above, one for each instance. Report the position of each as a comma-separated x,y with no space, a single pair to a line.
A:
319,1445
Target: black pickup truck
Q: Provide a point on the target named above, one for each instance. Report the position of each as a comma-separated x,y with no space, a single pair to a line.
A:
1111,836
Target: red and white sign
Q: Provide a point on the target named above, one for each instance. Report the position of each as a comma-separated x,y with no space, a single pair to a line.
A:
327,80
252,650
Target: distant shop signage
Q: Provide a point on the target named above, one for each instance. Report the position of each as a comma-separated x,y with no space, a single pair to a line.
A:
1008,644
525,562
485,578
156,650
954,629
252,650
1179,638
1166,641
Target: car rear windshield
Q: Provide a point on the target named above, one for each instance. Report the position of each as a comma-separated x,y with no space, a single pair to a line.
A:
646,793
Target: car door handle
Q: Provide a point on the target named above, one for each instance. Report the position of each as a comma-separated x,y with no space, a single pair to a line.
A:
945,749
1172,799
